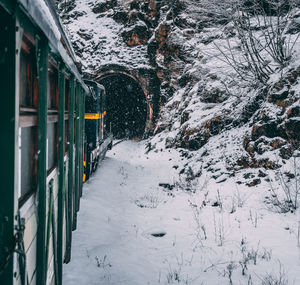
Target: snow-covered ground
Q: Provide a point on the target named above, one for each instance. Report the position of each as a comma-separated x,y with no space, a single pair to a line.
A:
133,231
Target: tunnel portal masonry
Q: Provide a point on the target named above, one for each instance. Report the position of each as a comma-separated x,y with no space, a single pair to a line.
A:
132,99
126,106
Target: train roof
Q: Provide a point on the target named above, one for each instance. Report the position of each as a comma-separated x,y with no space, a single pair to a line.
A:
43,13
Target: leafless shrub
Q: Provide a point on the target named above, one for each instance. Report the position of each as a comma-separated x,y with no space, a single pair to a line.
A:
104,266
201,233
229,271
239,199
252,255
253,219
219,230
262,45
175,276
149,200
102,263
191,184
275,279
219,200
236,201
285,198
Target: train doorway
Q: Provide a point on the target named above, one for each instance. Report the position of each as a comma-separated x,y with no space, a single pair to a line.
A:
126,105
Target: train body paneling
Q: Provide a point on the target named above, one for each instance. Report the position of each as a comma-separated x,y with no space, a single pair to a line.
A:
97,137
42,143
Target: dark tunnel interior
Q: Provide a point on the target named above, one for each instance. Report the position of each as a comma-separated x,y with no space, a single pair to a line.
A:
126,106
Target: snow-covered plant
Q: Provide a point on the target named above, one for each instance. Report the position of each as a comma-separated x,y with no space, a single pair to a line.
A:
276,279
174,275
253,219
201,232
105,266
229,271
219,231
149,200
285,197
102,263
219,200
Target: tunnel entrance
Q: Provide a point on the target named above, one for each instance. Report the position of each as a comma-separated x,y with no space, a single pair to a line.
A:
126,106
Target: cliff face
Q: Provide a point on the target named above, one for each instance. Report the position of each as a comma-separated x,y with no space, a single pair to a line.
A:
223,110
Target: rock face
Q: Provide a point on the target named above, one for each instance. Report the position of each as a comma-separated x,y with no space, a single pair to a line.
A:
104,6
137,34
282,131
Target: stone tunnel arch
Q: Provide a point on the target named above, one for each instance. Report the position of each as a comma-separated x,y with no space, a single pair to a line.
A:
126,104
132,99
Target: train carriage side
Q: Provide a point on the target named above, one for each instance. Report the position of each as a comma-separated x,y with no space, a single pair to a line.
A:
97,139
41,145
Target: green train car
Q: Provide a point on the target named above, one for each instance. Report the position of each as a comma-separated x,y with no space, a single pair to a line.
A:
98,136
42,143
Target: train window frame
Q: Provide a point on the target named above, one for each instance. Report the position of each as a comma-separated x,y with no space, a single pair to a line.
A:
52,116
53,97
76,94
52,145
67,94
28,55
28,118
67,111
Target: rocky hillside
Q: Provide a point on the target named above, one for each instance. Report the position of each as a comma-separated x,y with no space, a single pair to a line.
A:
227,115
229,73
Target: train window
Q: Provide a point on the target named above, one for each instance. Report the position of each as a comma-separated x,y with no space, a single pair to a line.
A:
67,95
28,73
29,159
52,126
75,114
90,100
52,139
67,108
66,136
52,88
75,129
